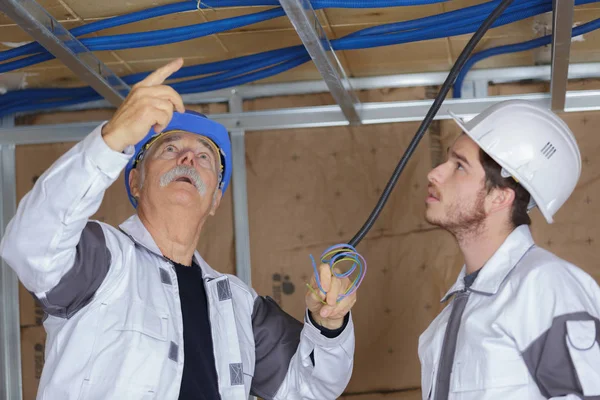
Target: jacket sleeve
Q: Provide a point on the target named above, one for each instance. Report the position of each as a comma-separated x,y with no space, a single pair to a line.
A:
560,341
59,255
295,360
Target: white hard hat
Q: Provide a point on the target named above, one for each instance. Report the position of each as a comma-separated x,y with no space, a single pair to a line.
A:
534,146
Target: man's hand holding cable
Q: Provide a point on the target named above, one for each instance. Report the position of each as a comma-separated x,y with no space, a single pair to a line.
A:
330,315
148,104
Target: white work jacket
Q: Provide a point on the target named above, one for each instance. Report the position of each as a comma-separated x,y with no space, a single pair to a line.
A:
530,329
114,325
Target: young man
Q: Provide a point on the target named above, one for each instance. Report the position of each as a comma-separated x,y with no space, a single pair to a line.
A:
135,312
522,323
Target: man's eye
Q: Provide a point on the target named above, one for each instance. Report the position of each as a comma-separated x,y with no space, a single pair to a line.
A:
170,148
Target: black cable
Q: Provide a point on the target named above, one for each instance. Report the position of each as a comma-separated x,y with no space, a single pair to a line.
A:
462,59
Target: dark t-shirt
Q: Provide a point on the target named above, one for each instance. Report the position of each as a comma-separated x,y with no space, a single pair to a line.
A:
199,381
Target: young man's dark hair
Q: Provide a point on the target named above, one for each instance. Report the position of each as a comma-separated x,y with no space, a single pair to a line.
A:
494,179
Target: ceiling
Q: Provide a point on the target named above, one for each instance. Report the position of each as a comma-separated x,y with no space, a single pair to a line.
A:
432,55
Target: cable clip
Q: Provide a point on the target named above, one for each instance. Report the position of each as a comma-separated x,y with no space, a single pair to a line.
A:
200,3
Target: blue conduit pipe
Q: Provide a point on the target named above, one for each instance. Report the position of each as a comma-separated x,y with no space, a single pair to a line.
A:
154,12
118,42
514,48
238,71
22,106
146,39
166,36
437,22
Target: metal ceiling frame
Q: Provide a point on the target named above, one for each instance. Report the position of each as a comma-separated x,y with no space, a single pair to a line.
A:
314,38
317,116
562,28
10,332
48,32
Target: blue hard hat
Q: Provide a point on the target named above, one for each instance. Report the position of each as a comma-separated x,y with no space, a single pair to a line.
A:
193,122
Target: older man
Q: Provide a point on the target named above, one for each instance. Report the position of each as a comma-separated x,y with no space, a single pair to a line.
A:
135,312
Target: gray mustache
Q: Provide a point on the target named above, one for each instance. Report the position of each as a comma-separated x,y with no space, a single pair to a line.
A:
184,170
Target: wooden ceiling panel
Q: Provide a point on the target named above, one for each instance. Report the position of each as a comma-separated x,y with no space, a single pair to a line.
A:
304,72
223,13
208,48
199,17
378,16
590,6
457,44
458,4
239,44
12,35
54,7
92,9
61,76
397,59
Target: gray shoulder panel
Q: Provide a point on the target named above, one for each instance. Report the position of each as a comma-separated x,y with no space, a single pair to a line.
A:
550,363
276,338
77,287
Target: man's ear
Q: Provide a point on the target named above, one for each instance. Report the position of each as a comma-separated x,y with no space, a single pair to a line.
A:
216,202
134,183
500,199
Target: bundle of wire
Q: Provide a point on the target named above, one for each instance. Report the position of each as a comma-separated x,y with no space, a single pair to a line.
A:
336,255
241,70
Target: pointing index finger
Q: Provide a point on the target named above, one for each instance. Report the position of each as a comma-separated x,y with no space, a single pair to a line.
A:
161,74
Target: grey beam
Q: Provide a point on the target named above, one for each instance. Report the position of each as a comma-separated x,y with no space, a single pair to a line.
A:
10,334
48,32
562,27
240,197
321,116
306,23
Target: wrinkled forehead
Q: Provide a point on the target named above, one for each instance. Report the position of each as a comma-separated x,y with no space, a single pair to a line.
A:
181,136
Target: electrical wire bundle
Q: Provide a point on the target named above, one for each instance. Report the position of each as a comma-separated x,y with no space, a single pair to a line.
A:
245,69
336,255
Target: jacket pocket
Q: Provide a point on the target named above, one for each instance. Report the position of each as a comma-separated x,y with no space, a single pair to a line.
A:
138,317
131,347
582,342
91,391
477,374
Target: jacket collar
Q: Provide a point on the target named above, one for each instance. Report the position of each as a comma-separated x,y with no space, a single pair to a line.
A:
137,232
497,268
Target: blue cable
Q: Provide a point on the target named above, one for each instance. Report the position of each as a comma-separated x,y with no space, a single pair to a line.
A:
182,89
227,83
373,40
238,71
435,20
240,64
514,48
96,26
172,35
32,48
146,39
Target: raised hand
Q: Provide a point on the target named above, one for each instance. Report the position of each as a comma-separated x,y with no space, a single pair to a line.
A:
149,104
